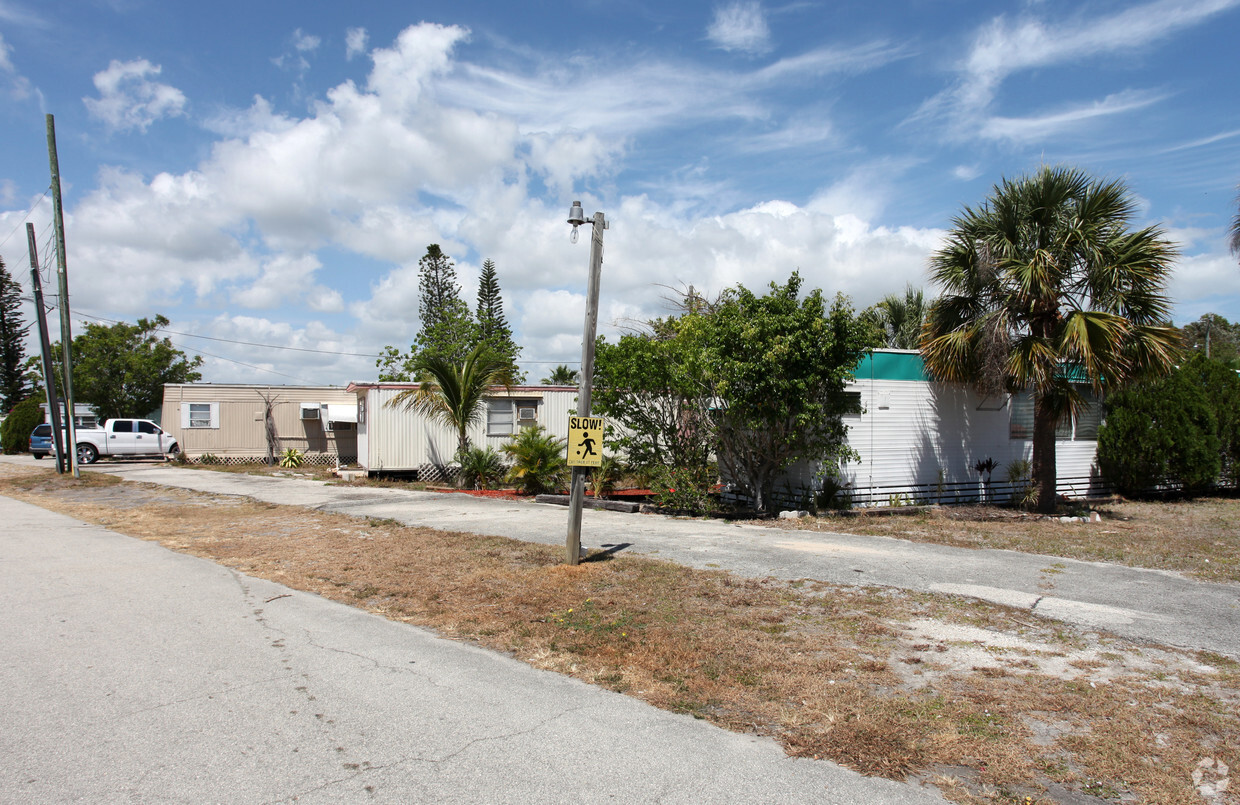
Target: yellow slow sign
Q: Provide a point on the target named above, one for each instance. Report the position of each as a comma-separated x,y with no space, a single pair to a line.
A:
585,441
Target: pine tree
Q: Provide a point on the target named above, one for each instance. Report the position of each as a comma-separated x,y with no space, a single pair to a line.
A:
493,329
13,385
448,330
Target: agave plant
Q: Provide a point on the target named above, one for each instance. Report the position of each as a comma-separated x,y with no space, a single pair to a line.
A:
292,457
538,463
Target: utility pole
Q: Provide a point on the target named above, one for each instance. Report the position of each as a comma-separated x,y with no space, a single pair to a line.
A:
577,492
62,278
49,377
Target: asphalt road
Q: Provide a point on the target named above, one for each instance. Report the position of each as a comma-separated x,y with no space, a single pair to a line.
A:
1155,605
135,674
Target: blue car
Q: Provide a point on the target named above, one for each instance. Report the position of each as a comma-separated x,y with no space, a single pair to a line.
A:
41,441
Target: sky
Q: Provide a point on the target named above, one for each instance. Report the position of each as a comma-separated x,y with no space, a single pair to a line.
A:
267,175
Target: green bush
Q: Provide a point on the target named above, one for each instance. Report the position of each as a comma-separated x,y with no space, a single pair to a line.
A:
480,467
292,457
1162,432
15,430
604,477
685,489
538,463
1221,385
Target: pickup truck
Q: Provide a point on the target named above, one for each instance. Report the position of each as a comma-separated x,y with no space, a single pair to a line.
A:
124,438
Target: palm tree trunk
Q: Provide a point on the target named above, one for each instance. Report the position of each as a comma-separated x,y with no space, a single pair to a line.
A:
1043,469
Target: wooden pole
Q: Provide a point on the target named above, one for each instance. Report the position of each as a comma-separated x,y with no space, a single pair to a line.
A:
577,492
45,347
62,277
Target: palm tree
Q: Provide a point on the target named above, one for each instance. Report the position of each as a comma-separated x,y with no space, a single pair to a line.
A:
561,376
1234,240
453,393
1044,285
899,318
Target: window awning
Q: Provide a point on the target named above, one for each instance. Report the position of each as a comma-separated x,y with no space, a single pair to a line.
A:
341,413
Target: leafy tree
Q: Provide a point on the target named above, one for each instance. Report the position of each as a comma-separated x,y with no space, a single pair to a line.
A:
121,368
758,380
898,319
1221,385
13,385
1162,431
15,430
655,385
448,330
778,369
1043,282
493,329
561,376
1214,337
453,393
538,462
1233,239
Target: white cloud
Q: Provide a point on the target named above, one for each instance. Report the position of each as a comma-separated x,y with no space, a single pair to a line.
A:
274,216
1024,129
741,25
1002,48
128,99
304,42
355,40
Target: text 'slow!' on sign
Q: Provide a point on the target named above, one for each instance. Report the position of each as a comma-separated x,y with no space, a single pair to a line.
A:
585,441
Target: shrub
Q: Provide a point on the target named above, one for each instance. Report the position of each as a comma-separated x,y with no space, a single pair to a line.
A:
1019,472
292,457
538,463
1162,432
685,489
603,478
15,430
480,468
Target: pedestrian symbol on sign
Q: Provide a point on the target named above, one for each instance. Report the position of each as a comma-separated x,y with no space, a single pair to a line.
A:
585,439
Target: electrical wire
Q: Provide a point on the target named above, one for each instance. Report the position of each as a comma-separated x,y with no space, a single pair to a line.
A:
26,216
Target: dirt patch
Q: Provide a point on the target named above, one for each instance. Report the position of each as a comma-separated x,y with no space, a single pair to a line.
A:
991,704
1200,538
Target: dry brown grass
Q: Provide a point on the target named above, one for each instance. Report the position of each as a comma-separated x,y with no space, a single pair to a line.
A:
983,701
1199,537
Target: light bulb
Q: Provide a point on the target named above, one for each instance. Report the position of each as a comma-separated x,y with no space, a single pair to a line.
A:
572,236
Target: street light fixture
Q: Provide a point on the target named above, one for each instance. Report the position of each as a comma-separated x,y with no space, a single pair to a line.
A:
577,492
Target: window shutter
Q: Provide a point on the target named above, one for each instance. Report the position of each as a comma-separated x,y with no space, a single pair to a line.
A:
215,415
184,415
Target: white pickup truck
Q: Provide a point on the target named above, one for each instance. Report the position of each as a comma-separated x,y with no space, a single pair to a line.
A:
124,438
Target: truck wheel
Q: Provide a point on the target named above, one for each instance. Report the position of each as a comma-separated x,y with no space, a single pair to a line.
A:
37,456
87,454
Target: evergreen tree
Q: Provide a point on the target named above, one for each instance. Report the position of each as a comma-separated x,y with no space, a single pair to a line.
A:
448,330
493,329
13,385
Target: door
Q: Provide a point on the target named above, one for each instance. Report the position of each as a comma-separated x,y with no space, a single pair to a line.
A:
147,438
122,441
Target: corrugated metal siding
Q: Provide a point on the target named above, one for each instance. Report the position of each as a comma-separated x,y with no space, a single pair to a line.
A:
910,430
398,440
241,432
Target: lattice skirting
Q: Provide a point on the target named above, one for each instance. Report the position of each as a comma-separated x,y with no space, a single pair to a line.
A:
318,459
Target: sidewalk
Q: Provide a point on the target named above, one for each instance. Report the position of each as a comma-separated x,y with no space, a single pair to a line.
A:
135,674
1155,605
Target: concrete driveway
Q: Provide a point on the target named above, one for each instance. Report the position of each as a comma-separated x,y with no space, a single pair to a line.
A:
135,674
1156,605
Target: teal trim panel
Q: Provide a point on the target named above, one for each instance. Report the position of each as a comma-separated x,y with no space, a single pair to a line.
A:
891,366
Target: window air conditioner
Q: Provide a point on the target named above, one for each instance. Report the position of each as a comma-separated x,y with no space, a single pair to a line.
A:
527,414
310,411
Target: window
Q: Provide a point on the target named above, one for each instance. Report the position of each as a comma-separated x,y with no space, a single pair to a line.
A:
122,426
85,421
200,415
852,404
1084,427
501,416
148,427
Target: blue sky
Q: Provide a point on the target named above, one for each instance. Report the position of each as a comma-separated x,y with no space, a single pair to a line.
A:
271,172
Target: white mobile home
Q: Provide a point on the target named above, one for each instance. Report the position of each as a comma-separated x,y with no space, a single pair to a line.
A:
226,421
920,439
393,439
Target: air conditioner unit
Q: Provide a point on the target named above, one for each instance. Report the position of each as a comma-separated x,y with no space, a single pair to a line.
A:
527,414
310,411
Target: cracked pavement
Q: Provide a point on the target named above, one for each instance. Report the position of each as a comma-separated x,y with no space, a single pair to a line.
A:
135,674
1155,605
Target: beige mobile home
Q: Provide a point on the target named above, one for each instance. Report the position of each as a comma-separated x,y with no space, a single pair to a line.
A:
227,421
393,439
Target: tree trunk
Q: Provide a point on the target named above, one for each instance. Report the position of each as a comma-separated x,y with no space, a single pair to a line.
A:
1043,470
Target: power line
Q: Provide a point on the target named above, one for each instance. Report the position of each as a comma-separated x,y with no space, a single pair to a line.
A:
46,190
246,365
